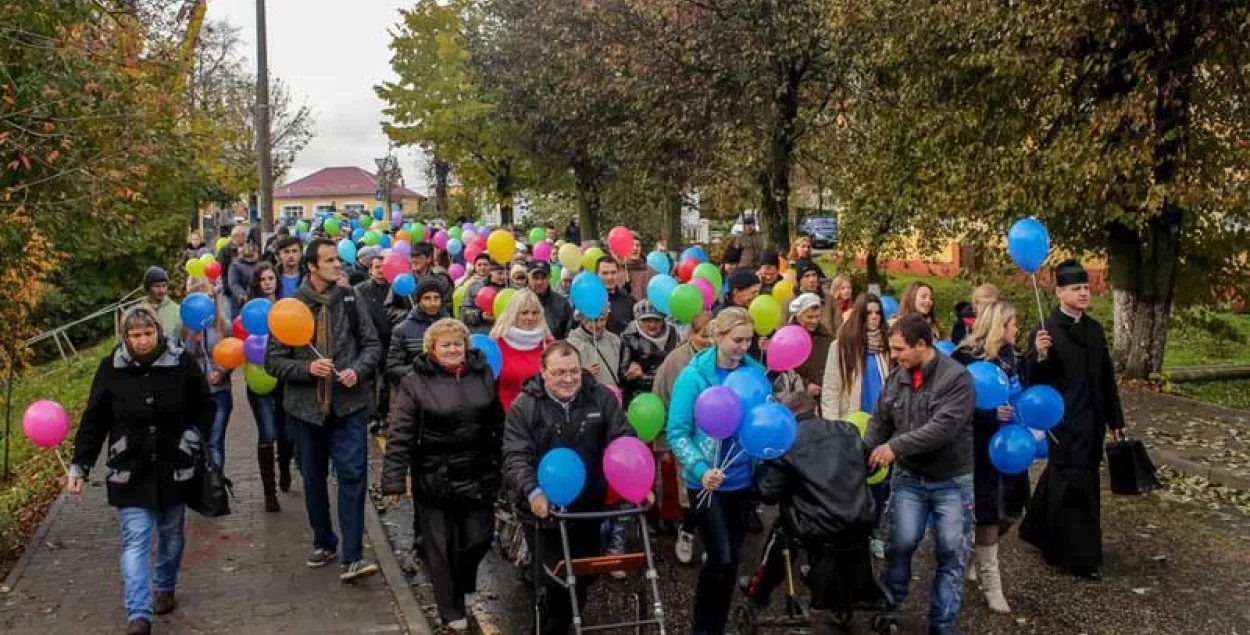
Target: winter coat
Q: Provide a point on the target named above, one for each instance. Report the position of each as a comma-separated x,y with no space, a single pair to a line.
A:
199,349
837,398
398,306
750,247
407,342
620,310
821,483
470,313
637,349
518,367
155,419
559,314
446,430
239,280
693,449
640,275
930,429
605,351
354,345
666,374
373,294
538,423
813,369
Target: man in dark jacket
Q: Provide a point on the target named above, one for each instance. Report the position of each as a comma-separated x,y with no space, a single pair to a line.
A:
769,272
750,245
644,345
620,303
227,254
372,292
1063,519
563,406
556,308
239,275
408,341
923,422
327,399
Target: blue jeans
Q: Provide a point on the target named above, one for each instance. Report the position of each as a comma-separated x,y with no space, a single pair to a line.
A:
217,436
722,524
950,502
343,441
265,412
137,525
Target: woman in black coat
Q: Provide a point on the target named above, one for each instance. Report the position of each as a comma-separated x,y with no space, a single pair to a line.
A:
446,428
644,345
151,403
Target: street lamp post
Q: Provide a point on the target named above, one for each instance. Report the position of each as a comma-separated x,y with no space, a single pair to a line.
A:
263,158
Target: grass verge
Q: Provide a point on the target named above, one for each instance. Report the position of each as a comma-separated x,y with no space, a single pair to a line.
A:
1233,393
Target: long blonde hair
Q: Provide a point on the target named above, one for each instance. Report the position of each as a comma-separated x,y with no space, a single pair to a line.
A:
506,320
728,320
832,311
986,339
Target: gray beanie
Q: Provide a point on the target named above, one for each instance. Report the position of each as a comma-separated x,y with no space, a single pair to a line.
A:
154,275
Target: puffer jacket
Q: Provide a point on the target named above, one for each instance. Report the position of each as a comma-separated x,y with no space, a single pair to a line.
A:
821,483
537,423
692,447
558,312
445,429
407,342
930,428
470,313
154,418
636,348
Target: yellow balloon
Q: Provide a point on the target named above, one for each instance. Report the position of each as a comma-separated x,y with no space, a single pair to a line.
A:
592,257
457,299
501,300
878,477
207,259
221,242
765,314
194,267
501,246
571,257
783,291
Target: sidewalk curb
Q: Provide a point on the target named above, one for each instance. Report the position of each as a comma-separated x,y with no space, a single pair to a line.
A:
45,525
414,618
1216,475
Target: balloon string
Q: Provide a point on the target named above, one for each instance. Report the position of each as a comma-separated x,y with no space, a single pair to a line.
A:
320,356
1041,316
64,467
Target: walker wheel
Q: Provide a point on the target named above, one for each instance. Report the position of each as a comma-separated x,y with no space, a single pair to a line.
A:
744,620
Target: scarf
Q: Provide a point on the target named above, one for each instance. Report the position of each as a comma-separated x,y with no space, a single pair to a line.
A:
844,305
152,356
876,343
322,340
522,339
660,340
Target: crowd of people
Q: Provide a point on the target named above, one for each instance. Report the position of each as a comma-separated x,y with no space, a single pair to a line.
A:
461,434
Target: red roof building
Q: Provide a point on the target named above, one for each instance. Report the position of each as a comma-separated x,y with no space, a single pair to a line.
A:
338,188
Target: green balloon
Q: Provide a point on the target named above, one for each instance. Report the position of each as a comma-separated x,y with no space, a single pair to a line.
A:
537,235
455,232
457,299
417,233
765,314
685,303
258,380
501,301
194,267
372,238
878,477
331,226
646,415
301,227
860,421
709,272
556,270
591,257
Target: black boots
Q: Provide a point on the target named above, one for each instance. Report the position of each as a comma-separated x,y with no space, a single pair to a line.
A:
265,457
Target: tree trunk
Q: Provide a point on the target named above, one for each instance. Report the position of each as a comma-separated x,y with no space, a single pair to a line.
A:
870,265
442,171
588,205
503,189
670,230
774,179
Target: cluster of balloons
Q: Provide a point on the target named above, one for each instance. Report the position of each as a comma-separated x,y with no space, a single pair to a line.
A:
206,266
248,344
694,288
1037,410
628,466
740,409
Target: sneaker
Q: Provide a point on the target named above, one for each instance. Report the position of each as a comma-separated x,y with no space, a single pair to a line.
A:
139,627
321,557
357,570
684,546
878,548
461,625
163,602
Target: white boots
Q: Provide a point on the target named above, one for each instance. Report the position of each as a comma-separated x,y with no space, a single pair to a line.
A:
991,581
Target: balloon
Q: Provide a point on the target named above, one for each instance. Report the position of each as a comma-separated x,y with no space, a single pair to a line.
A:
695,252
372,238
331,226
718,412
255,315
561,475
765,314
378,212
878,477
238,330
502,299
659,290
456,271
494,356
709,294
358,234
347,251
45,423
1028,244
945,347
991,385
197,312
616,392
402,248
457,300
254,348
542,251
1012,449
629,468
485,300
860,420
403,235
207,258
646,415
685,303
768,432
405,284
418,232
301,227
385,241
501,246
789,347
468,227
709,272
228,353
685,270
1040,407
291,322
783,291
212,270
889,306
659,262
441,238
455,233
394,265
751,386
537,235
620,241
397,219
454,246
588,294
194,267
469,237
570,257
591,258
221,242
1041,448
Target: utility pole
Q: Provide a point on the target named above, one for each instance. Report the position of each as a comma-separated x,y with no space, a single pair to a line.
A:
263,159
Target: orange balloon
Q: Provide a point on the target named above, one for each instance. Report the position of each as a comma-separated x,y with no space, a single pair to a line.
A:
291,322
228,353
403,235
785,264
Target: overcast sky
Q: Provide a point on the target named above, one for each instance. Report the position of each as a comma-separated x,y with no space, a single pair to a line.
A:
331,53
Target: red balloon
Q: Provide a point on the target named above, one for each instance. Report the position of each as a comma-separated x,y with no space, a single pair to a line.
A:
393,266
239,331
486,300
620,241
213,270
686,269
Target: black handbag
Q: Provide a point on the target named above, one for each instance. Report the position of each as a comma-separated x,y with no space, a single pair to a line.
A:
209,491
1132,472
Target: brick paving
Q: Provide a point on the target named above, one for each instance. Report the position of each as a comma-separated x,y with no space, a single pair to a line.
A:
241,574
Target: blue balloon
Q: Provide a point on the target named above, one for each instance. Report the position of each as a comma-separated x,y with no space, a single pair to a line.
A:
1028,244
946,347
385,241
454,246
751,385
1042,448
1040,407
694,252
494,356
659,262
404,285
1012,449
768,432
561,475
197,312
659,290
347,252
354,224
378,213
991,385
889,306
588,294
255,316
358,234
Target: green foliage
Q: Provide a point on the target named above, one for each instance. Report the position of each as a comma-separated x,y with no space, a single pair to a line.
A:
1232,393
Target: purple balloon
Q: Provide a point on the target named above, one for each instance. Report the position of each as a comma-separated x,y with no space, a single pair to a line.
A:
402,248
397,219
468,227
718,412
254,348
456,271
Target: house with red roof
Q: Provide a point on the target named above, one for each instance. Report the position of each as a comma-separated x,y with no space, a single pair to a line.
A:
338,189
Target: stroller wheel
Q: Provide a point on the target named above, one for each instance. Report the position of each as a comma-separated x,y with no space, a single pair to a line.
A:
744,620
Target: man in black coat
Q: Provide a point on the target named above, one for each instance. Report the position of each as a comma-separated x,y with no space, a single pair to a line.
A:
372,292
556,308
1063,518
620,302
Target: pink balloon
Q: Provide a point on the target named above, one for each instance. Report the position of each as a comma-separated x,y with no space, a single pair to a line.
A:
45,423
481,241
456,271
620,241
394,265
440,239
709,292
485,300
629,468
542,251
620,396
402,248
468,237
788,348
471,251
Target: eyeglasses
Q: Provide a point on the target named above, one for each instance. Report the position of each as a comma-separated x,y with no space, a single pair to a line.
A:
564,374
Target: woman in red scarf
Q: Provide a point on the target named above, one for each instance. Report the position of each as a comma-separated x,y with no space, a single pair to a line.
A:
522,334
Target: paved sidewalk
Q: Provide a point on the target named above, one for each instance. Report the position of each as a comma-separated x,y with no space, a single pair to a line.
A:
241,574
1192,437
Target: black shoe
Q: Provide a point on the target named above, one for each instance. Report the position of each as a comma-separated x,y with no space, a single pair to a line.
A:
357,570
163,602
754,523
139,627
284,475
321,557
376,427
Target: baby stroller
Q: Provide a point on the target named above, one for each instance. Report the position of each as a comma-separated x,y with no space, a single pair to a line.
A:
841,580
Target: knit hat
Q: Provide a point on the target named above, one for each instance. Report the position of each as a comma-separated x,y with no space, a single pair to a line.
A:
428,284
770,257
365,256
153,276
644,310
740,279
804,302
804,266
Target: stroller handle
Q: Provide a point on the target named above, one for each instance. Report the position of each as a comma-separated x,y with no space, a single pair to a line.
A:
632,510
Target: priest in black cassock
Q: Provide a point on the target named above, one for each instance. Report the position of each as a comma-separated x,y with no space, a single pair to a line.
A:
1070,354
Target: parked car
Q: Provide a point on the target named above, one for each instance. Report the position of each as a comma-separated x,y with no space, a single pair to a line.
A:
823,231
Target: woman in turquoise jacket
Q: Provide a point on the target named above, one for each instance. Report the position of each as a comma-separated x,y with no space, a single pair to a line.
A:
721,521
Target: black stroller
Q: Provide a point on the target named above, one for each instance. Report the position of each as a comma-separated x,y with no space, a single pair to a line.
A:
840,577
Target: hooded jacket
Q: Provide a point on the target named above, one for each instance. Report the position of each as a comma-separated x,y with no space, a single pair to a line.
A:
637,348
604,351
537,423
446,429
407,342
929,428
693,448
